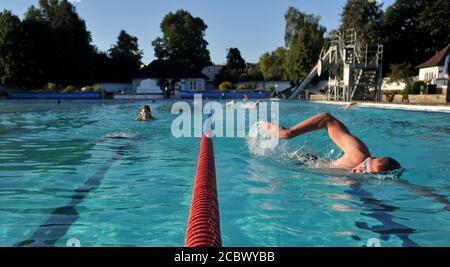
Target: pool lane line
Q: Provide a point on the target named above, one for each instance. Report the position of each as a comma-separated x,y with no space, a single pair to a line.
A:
39,110
379,211
62,218
425,191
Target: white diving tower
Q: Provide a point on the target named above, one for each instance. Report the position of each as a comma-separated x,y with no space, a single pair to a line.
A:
354,71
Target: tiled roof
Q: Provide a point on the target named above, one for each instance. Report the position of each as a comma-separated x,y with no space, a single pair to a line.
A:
436,60
170,69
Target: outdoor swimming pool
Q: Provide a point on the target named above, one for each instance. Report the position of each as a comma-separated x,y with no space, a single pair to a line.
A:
61,179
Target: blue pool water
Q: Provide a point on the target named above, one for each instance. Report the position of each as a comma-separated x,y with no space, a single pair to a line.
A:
61,179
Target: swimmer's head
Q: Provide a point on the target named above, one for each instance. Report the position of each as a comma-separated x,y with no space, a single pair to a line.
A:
377,165
245,98
146,111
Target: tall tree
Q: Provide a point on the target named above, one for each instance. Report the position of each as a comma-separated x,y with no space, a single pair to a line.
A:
234,68
306,42
364,17
126,57
252,72
70,43
272,64
183,39
294,20
37,48
235,60
10,37
414,30
105,69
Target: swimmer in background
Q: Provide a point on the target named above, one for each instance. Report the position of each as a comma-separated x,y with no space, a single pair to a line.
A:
145,114
231,103
254,105
245,104
357,157
245,99
350,105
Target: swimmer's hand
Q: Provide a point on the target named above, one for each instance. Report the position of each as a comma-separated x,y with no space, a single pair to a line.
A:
276,130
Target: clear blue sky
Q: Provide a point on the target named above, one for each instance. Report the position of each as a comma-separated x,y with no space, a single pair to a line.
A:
253,26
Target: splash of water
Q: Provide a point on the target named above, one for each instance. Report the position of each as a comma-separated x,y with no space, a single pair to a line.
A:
260,142
263,144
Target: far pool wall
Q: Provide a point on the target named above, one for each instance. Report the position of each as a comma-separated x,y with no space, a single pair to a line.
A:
398,99
261,85
138,96
417,99
224,95
115,87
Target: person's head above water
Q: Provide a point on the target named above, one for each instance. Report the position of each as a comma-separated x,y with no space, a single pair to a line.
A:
146,109
145,113
377,165
245,98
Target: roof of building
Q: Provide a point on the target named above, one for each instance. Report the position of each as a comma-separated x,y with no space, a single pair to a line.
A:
437,60
170,69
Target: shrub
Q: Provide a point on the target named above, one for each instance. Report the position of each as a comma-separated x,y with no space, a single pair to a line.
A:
87,89
224,86
51,87
271,89
69,89
390,95
97,88
243,87
401,73
415,87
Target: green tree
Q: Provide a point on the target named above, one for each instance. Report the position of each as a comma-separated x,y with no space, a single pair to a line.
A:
70,43
234,68
252,72
306,43
105,69
272,64
10,38
126,57
364,16
183,39
37,49
400,73
235,60
294,20
414,30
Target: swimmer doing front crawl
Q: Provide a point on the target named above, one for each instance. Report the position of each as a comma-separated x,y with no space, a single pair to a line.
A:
357,157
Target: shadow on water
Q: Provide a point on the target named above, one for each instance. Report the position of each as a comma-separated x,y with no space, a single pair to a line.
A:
62,218
380,211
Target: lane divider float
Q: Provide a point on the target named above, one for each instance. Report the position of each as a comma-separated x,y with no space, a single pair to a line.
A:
203,228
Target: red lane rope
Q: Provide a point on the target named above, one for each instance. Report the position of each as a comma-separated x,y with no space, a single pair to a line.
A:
203,229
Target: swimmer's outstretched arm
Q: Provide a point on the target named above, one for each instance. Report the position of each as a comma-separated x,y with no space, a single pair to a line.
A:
336,130
315,123
255,104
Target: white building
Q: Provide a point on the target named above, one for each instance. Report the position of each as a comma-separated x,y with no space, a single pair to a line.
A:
169,76
432,70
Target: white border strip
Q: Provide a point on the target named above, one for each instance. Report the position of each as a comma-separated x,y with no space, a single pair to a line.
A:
444,109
